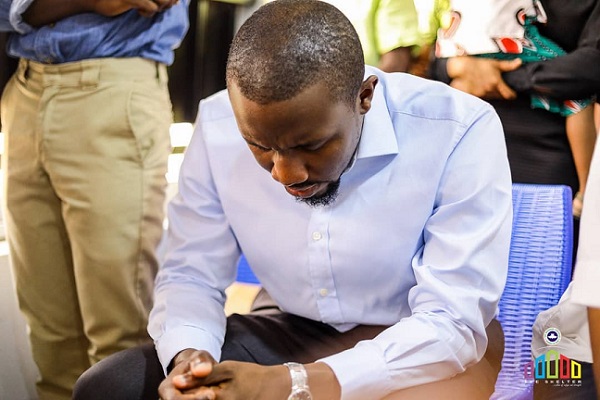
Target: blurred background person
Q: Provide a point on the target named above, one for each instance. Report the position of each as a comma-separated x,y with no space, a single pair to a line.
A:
587,274
578,313
388,30
539,150
508,30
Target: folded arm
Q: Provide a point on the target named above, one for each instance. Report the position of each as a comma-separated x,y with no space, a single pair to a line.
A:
21,15
43,12
571,76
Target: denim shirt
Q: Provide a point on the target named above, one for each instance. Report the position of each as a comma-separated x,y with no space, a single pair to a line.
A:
90,35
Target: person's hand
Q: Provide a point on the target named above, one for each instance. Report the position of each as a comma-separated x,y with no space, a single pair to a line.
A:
146,8
482,77
197,376
181,378
46,12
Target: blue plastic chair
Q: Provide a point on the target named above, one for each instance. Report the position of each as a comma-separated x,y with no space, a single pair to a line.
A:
539,271
244,272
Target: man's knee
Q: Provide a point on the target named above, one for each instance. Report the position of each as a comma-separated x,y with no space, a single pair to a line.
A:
127,375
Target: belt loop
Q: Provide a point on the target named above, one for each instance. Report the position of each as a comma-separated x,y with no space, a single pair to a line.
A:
90,75
23,73
161,72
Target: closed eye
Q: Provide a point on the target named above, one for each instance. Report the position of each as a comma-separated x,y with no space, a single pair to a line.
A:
257,146
313,146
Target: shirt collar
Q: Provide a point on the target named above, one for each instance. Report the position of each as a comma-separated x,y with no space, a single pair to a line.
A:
378,136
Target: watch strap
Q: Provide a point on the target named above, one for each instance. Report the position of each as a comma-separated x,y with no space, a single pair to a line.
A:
299,378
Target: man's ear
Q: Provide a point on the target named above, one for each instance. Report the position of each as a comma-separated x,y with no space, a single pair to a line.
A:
365,95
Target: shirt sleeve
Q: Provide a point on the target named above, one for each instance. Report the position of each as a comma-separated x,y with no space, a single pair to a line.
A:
201,259
460,273
587,270
11,19
573,76
438,70
5,25
396,25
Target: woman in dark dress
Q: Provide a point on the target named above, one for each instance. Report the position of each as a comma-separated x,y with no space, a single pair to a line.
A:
538,148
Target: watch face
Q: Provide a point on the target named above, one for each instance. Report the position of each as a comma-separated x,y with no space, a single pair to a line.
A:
300,394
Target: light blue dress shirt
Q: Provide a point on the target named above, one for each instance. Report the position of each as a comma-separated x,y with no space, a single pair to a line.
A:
418,238
89,35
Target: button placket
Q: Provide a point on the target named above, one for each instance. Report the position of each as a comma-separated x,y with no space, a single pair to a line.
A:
320,265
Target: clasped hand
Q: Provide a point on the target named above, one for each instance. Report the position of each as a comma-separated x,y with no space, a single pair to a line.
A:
196,375
482,77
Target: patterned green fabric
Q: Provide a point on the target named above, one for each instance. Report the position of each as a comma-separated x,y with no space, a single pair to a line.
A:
539,48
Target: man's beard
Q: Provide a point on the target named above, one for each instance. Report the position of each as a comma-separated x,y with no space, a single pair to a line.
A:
331,194
324,199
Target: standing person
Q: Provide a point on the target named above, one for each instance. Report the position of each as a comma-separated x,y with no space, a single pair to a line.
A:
569,321
587,273
388,30
86,121
537,141
375,209
577,315
510,30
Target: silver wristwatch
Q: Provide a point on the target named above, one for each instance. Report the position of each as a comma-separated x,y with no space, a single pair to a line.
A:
299,376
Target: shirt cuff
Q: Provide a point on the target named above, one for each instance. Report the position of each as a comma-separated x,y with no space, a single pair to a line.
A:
438,71
361,372
16,16
185,337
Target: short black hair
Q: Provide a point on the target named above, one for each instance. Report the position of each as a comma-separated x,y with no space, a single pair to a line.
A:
287,46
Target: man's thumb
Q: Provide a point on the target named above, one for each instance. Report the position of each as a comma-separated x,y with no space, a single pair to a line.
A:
201,369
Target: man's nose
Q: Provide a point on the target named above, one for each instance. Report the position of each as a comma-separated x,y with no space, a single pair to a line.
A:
289,169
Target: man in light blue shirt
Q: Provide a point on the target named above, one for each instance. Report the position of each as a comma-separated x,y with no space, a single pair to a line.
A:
86,120
374,208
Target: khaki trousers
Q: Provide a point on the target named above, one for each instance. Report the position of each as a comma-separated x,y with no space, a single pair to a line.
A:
86,147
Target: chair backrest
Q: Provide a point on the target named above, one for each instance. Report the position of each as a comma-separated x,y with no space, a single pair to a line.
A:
244,272
539,271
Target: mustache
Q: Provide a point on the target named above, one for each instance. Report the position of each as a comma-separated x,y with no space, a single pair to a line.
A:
303,185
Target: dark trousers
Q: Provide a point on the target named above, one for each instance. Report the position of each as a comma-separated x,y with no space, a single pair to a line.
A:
263,339
554,390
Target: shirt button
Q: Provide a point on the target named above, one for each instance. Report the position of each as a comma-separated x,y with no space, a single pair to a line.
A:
317,236
323,292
